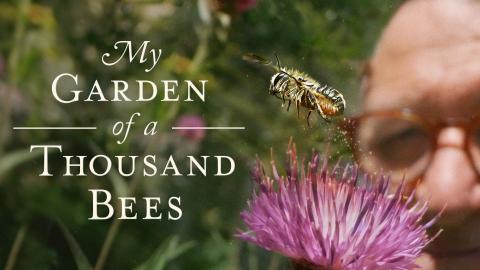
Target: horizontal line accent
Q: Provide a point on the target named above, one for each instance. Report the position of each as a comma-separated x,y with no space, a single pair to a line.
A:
48,128
220,128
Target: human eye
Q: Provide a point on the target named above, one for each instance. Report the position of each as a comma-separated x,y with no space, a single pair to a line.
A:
400,147
393,144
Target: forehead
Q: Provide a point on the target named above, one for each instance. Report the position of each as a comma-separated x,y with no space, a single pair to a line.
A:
429,63
445,81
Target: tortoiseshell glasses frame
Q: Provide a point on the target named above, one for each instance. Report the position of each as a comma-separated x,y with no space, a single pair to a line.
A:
421,134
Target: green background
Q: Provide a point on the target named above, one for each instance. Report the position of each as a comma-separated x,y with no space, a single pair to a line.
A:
43,220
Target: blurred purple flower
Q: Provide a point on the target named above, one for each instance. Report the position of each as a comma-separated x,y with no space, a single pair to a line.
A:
232,6
244,5
323,220
191,121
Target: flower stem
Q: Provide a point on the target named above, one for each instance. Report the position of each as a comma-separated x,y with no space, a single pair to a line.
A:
112,232
302,265
17,244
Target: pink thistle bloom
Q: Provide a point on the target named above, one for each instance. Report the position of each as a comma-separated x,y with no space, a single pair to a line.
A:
191,121
324,220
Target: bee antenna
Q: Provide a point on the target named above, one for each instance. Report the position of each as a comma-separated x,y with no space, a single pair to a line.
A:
280,68
278,61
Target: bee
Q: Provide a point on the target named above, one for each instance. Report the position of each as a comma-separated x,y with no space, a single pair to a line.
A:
294,86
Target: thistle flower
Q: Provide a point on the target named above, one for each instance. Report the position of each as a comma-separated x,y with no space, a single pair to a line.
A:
322,219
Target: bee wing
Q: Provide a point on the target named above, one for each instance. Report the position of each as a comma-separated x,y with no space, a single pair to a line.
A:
250,57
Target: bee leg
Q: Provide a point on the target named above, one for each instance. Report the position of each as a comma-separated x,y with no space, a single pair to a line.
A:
308,116
326,118
311,101
322,114
298,109
288,107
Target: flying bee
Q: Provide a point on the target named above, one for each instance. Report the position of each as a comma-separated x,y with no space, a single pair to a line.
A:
294,86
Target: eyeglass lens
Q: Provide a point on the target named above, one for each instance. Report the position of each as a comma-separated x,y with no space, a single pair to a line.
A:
474,146
394,145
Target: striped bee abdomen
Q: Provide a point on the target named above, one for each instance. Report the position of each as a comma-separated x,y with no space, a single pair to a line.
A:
335,99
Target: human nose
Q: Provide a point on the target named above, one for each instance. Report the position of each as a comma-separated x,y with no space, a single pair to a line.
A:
450,180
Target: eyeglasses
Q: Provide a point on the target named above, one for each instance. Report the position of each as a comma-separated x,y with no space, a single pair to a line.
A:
403,143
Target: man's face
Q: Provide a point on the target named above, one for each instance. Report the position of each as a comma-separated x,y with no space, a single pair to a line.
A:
428,60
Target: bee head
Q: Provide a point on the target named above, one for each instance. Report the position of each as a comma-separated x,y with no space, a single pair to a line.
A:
276,82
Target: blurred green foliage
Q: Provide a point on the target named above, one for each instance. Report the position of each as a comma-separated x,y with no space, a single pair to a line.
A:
44,219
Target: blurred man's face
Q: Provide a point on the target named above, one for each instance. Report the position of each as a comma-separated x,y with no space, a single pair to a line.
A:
429,60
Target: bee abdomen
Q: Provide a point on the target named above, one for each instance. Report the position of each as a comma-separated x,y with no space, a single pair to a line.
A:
327,91
334,96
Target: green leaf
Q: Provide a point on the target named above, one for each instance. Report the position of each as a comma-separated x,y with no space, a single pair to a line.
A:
80,258
13,159
166,252
119,184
